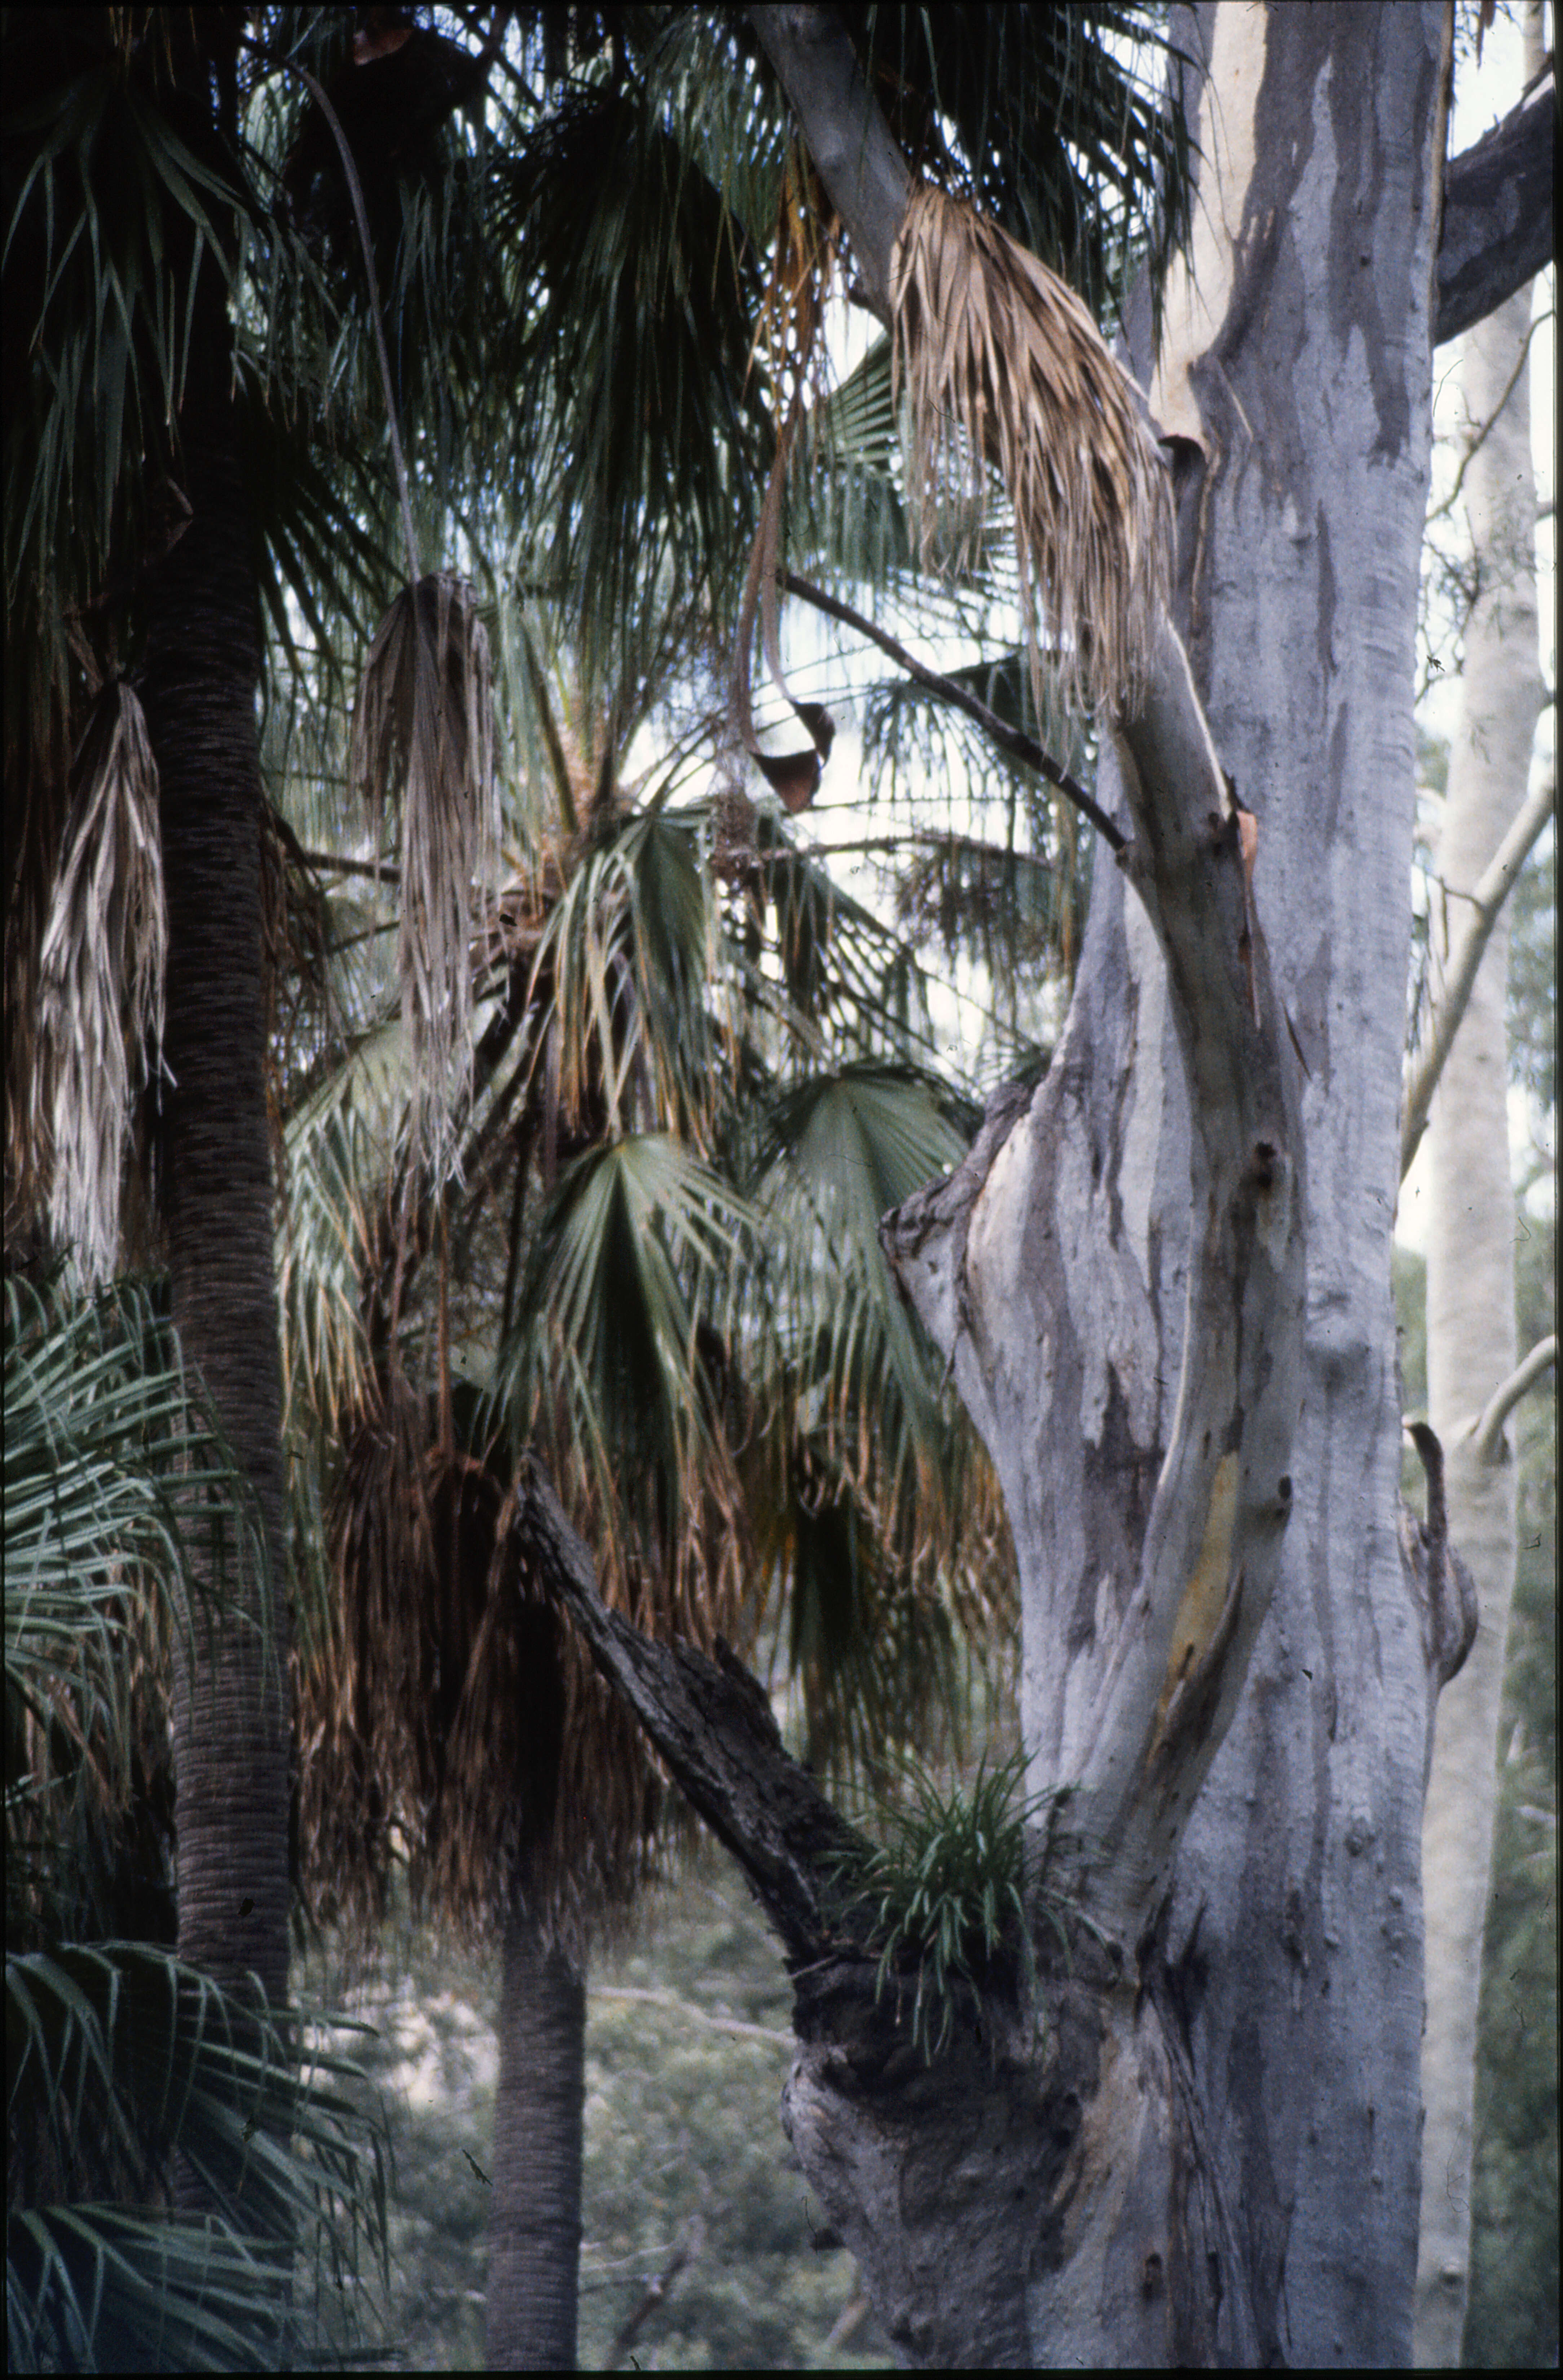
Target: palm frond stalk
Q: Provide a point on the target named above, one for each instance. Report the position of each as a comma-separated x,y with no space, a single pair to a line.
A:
1002,366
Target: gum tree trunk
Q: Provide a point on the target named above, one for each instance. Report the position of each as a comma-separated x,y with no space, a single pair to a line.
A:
1167,1295
1471,1340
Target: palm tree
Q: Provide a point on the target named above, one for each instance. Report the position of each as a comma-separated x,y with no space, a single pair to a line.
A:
151,403
646,441
709,1423
122,2058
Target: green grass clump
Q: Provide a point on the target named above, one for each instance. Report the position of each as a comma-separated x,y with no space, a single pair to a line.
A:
945,1890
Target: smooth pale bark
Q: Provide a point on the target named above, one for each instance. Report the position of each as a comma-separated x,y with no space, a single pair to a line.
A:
1471,1327
535,2223
1224,1650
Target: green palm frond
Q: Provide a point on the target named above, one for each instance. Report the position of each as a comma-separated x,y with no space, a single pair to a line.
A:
1052,120
117,2058
632,291
109,1458
128,1527
859,1141
116,2055
836,1151
632,1259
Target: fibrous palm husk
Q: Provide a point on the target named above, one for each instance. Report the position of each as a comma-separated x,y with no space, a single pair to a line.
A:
101,975
1002,366
424,724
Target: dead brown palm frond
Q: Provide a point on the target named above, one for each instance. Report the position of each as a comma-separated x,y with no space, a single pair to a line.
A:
551,1798
368,1694
101,974
1003,366
423,727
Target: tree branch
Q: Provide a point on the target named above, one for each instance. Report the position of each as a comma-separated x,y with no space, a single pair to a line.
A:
1486,903
1012,740
711,1722
1496,232
852,146
1486,1432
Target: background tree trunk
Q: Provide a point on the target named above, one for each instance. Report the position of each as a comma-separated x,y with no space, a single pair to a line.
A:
1470,1330
231,1703
535,2228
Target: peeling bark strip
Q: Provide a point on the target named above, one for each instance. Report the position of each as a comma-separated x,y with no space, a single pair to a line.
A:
1440,1581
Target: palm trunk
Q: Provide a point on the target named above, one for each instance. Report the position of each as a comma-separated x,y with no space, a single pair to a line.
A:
535,2229
231,1730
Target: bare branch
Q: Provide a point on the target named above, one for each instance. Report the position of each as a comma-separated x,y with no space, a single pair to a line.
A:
1496,230
1487,907
1012,740
1486,1432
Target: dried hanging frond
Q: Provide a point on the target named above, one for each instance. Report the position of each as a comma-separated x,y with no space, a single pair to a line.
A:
1002,365
101,975
423,727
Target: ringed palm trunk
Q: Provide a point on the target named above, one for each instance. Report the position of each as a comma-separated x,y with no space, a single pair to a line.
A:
535,2228
231,1719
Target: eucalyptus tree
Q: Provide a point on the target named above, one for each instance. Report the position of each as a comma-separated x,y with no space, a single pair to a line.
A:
1163,1279
1471,1354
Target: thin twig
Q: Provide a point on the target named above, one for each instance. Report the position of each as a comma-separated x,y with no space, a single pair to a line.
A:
1487,1431
1012,740
1486,903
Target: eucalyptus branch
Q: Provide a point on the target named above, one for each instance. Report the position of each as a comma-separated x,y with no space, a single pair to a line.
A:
1486,905
385,871
1012,740
1487,1431
1484,429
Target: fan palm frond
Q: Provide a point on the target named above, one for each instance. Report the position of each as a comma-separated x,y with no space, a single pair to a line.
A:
628,953
1052,120
1002,365
111,1457
632,296
115,2054
633,1257
837,1151
119,2058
